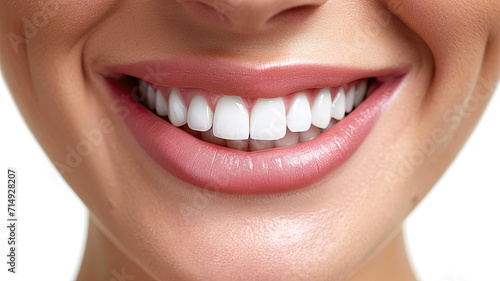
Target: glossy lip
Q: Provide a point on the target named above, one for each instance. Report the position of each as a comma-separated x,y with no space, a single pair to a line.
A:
226,170
223,76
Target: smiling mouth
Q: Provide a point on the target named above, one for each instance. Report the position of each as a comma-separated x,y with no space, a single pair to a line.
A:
252,124
237,129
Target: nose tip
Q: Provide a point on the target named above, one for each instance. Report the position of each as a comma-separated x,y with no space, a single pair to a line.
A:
244,15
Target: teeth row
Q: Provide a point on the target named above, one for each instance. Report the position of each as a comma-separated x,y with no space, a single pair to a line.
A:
268,120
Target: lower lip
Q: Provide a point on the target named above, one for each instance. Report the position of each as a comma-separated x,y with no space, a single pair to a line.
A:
226,170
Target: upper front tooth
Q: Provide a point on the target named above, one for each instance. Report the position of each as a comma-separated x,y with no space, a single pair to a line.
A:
151,97
199,116
268,119
231,120
161,104
360,93
321,109
298,118
338,105
349,100
176,108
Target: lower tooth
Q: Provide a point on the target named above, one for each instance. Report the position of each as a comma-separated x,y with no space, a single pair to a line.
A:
310,134
290,139
260,144
237,144
332,122
194,133
209,137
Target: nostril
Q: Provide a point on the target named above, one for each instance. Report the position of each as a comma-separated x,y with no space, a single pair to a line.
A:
299,11
209,11
249,16
298,8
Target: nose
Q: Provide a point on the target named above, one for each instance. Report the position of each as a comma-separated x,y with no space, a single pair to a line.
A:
246,15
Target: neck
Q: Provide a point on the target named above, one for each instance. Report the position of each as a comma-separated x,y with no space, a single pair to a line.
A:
103,261
390,264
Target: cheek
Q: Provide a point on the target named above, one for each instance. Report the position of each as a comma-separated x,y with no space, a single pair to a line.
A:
60,26
53,22
462,79
36,36
42,43
462,23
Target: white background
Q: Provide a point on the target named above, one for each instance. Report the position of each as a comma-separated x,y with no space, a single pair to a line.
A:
454,235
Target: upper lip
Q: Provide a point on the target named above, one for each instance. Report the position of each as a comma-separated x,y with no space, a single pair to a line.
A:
221,76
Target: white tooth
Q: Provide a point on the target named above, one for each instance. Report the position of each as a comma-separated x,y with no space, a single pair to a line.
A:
150,97
161,104
349,100
238,144
359,95
291,138
209,136
268,119
177,111
199,116
231,119
299,117
312,133
338,105
321,109
260,144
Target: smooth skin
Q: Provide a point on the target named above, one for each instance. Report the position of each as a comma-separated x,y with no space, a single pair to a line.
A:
347,226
